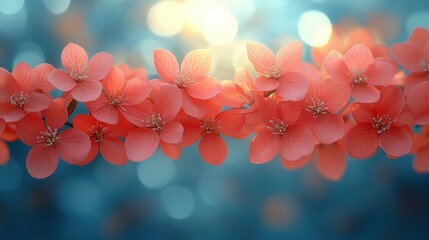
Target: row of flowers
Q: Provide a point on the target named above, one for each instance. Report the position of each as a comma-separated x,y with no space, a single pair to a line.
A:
353,100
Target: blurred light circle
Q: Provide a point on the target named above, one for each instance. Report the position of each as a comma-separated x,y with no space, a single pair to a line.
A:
196,11
155,173
212,189
13,25
242,9
29,53
220,27
178,202
314,28
166,18
10,176
79,196
11,6
418,19
57,6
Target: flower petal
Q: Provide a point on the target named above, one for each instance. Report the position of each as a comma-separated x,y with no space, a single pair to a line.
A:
337,68
56,113
358,57
205,88
42,72
335,94
264,147
61,80
99,66
197,63
193,107
172,151
407,55
328,128
38,102
11,113
114,81
243,78
331,161
361,141
25,77
230,121
136,91
4,153
87,91
165,64
141,144
288,111
74,58
365,93
73,146
421,161
293,86
296,142
213,149
172,132
168,101
42,161
231,95
29,128
260,56
113,150
295,164
266,84
379,73
396,141
289,57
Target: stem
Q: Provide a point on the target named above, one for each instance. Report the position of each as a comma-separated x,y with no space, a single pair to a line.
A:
71,107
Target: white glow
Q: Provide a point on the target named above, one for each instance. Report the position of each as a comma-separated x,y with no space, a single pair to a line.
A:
29,53
178,202
314,28
220,27
166,18
57,6
155,173
196,11
11,6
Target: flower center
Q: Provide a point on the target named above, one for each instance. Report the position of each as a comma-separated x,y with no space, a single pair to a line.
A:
97,133
183,80
116,101
49,137
79,73
316,107
153,120
424,66
208,126
357,76
277,127
275,72
382,123
19,99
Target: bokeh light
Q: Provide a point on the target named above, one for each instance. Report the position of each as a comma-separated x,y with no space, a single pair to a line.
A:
196,11
166,18
220,27
178,202
314,28
11,6
155,173
29,53
57,6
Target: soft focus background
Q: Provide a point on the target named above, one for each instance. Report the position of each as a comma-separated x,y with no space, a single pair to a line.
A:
188,199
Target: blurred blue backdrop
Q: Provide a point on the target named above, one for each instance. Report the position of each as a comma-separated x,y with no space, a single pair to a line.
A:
187,199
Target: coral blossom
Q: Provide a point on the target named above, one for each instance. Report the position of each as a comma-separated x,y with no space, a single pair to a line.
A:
49,143
358,69
379,125
81,78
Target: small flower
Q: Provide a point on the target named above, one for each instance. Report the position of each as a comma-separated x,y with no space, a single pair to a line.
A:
358,69
81,78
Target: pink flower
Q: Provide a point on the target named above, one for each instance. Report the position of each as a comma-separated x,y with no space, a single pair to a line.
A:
319,107
49,143
279,72
18,95
81,78
418,102
358,69
241,92
277,130
378,125
130,73
42,84
192,78
120,96
212,147
413,55
156,123
104,138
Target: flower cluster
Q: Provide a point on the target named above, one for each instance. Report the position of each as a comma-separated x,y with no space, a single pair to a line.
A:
352,101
